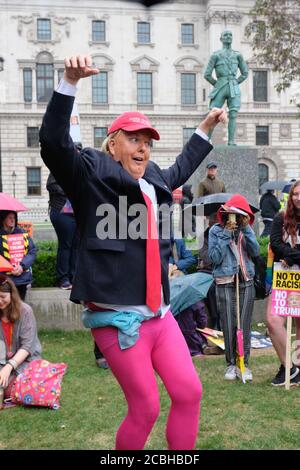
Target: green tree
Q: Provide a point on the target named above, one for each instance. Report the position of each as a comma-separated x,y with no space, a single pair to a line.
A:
275,33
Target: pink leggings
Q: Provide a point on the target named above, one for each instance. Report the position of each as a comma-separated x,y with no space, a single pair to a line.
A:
161,347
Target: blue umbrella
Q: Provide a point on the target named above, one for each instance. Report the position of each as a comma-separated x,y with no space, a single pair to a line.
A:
187,290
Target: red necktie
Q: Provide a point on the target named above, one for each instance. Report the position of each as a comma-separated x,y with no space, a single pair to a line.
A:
153,265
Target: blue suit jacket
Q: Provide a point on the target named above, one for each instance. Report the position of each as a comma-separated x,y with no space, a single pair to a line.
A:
111,270
186,259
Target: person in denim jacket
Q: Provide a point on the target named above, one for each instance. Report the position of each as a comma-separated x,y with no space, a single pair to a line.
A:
230,247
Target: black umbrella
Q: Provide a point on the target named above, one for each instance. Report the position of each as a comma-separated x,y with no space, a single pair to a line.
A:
149,3
212,203
273,185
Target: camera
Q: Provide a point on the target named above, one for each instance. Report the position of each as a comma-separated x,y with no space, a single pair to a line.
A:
232,217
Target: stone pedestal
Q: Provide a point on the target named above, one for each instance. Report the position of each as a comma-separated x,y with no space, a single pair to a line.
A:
237,167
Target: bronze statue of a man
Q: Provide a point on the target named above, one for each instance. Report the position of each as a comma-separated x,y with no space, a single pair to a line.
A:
226,63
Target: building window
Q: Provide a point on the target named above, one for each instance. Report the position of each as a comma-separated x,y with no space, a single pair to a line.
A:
98,31
27,85
144,88
263,174
259,27
187,133
143,32
43,30
99,135
188,88
44,82
32,136
34,181
262,135
187,34
99,88
260,85
60,74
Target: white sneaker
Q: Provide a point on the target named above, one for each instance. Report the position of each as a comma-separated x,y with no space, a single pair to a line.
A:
230,373
247,374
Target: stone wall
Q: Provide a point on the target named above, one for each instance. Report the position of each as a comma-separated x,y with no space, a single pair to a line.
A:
237,167
53,309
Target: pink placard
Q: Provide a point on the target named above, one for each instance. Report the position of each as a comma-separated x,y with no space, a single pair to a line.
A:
16,248
286,291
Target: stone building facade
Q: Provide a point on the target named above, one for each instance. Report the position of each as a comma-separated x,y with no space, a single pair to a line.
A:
152,60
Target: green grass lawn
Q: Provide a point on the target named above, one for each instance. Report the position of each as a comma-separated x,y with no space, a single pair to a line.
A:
233,416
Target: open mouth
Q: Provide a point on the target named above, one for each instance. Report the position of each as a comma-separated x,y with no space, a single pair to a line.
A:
138,159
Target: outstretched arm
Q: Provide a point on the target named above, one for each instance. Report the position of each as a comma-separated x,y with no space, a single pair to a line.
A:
194,151
57,148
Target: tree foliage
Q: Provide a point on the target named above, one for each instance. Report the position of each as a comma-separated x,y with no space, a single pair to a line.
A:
275,33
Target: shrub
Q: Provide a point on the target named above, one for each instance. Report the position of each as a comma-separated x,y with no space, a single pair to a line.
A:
264,243
44,274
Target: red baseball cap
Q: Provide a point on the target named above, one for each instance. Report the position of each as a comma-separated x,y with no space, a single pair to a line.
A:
133,121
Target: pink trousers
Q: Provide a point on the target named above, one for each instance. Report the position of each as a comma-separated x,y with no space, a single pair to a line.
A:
160,348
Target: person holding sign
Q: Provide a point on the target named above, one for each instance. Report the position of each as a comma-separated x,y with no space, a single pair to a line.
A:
285,243
18,248
231,244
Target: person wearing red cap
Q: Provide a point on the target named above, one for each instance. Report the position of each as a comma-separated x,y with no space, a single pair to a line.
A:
231,245
123,279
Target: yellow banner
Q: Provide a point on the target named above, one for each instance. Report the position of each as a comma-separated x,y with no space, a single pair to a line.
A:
286,280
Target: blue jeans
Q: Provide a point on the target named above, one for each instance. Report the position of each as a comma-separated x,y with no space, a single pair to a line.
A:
66,231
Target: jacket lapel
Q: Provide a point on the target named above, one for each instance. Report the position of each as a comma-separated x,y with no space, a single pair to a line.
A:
161,188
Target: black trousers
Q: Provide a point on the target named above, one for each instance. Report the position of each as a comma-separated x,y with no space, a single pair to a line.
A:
97,352
22,289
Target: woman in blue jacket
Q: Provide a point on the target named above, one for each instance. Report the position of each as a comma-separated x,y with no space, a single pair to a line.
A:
230,247
18,248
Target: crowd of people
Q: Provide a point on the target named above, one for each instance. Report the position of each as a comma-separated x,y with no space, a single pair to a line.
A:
123,283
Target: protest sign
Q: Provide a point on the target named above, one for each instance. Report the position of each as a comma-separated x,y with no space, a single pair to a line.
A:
286,303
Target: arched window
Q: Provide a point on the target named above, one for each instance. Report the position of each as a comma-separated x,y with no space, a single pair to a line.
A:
263,174
44,77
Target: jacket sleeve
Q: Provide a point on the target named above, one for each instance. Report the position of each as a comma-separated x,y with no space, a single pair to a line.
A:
281,249
29,259
252,245
186,258
217,244
243,69
28,330
276,205
58,152
209,70
193,153
201,190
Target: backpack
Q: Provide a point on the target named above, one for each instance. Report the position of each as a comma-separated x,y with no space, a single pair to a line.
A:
261,288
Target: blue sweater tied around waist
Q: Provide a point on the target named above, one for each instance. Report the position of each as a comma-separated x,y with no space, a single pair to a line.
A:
128,324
